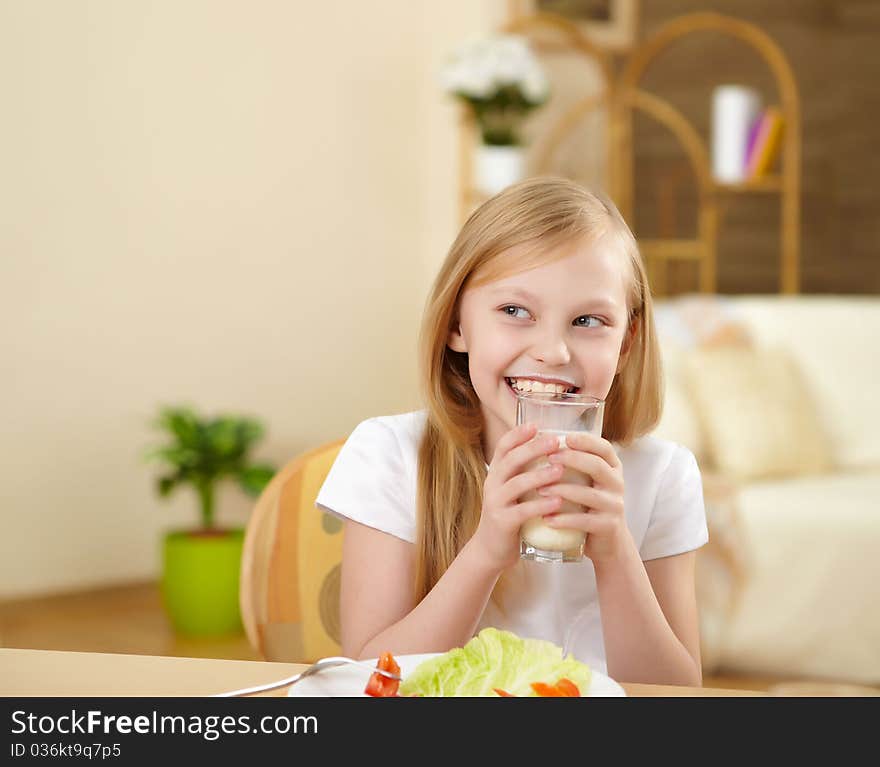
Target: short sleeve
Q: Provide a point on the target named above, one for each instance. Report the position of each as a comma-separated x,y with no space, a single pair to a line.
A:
678,519
371,483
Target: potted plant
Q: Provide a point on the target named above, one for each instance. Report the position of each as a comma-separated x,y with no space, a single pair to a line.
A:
201,566
501,81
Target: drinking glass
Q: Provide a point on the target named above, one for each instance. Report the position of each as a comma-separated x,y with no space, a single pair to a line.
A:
557,414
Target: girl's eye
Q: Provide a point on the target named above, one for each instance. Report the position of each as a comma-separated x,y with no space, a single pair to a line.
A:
514,311
588,321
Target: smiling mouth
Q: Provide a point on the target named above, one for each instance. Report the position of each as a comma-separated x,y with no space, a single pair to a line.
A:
526,385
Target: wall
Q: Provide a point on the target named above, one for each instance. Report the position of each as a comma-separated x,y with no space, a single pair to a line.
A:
237,205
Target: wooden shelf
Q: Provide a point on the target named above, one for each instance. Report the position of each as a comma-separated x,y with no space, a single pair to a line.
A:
764,184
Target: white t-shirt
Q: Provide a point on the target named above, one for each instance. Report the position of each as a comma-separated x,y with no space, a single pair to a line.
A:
373,482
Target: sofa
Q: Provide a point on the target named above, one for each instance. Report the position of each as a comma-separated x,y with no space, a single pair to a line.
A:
777,397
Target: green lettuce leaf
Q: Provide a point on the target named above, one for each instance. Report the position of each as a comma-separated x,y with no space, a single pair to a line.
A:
493,659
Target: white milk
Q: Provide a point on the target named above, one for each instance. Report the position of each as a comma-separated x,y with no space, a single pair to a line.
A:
538,533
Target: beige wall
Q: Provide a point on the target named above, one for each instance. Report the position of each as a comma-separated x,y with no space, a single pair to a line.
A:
235,204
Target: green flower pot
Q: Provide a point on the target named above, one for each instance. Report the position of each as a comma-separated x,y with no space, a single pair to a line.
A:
200,581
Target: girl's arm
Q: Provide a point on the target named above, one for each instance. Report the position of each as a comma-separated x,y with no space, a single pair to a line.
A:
649,618
376,601
378,610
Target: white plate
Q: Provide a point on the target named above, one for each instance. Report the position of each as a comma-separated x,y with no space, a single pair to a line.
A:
350,681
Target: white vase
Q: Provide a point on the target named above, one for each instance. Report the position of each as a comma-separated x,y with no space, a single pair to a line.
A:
497,167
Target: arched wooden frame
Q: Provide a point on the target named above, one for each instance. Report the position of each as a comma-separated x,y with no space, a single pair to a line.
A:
658,252
787,184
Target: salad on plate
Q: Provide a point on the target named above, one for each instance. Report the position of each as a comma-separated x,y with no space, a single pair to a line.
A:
493,663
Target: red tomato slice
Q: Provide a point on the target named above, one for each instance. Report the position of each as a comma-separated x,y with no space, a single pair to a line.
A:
378,687
381,686
568,688
546,690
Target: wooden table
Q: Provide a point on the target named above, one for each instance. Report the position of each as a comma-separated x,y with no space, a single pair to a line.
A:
82,674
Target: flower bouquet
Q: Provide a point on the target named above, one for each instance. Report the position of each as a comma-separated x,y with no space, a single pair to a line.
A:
501,81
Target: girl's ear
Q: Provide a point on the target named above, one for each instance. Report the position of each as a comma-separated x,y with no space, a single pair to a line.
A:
628,339
456,340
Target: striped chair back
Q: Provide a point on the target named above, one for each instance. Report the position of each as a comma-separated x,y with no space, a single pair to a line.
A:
291,562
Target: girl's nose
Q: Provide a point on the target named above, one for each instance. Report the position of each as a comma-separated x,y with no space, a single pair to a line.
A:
552,350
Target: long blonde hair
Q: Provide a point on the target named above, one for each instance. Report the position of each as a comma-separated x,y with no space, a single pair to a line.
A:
540,214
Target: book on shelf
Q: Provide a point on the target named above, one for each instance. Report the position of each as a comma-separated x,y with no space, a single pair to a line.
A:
764,142
750,141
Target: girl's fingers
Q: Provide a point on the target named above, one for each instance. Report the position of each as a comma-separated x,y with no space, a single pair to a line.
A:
593,466
590,443
537,508
513,438
584,495
578,520
528,481
521,455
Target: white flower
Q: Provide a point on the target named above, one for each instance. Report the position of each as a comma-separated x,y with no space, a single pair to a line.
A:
477,82
535,87
480,69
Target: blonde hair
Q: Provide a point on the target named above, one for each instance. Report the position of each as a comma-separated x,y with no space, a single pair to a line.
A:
539,214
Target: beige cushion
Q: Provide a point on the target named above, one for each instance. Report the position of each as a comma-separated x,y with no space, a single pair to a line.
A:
757,416
833,340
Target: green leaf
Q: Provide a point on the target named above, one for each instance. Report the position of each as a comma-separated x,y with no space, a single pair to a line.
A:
182,423
166,485
180,457
153,454
200,451
250,431
221,436
253,479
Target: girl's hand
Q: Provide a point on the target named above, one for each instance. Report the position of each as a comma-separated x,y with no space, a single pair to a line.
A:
603,519
502,515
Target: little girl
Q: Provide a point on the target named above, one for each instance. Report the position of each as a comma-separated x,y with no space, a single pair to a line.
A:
543,284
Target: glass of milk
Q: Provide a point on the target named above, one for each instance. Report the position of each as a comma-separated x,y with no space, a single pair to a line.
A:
557,414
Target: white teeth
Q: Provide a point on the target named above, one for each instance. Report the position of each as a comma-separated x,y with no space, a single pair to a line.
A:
529,385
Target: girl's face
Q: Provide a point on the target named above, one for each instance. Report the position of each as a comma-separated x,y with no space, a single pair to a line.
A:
562,324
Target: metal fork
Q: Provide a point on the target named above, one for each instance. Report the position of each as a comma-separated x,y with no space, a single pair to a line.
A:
320,665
